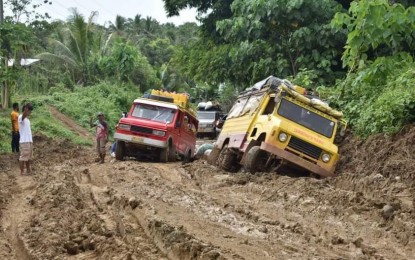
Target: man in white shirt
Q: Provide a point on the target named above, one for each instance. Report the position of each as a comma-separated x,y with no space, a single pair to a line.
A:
26,140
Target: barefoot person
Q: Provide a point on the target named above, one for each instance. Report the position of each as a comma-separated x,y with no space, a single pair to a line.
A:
26,141
101,135
14,116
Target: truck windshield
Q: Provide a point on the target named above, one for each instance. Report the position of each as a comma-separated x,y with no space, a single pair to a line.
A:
155,113
206,115
306,118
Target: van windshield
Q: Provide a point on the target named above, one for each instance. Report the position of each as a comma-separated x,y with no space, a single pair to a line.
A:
306,118
206,115
155,113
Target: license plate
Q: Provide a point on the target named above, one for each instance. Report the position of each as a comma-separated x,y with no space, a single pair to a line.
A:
137,139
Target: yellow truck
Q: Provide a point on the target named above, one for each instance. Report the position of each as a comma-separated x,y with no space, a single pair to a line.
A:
276,122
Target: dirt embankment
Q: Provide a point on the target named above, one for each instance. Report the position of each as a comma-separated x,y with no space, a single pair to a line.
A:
72,208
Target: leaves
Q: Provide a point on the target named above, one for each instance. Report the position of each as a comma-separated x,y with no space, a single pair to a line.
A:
375,26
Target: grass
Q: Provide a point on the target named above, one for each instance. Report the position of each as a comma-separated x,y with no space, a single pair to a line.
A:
42,123
84,102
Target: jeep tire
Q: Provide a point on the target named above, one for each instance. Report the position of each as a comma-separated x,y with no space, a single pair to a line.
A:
172,153
120,150
255,160
227,159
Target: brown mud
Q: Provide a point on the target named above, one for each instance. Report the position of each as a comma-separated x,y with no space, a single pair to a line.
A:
73,208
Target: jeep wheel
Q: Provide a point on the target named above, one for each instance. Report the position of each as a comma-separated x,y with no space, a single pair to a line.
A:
227,159
188,156
164,154
172,154
255,160
120,150
213,156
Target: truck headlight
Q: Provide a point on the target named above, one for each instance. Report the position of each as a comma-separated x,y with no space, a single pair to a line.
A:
159,133
282,137
124,127
325,157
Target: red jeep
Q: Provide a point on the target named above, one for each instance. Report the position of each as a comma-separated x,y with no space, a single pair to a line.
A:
159,127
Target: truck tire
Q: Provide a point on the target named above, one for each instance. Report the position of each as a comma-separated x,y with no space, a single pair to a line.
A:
120,151
255,160
188,156
227,159
164,154
172,153
213,156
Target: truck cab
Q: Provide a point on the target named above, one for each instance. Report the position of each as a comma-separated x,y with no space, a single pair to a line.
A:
208,121
208,115
160,126
274,122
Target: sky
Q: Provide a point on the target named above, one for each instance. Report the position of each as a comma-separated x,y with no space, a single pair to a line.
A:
108,9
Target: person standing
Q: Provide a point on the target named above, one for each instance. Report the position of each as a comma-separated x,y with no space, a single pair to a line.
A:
101,135
14,116
26,140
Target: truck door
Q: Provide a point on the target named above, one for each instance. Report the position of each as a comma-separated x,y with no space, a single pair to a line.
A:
263,117
189,133
178,133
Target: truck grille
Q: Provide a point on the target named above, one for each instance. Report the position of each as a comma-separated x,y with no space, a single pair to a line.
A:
304,147
140,129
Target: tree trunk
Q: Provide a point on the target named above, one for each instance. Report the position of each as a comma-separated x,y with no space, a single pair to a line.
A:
5,90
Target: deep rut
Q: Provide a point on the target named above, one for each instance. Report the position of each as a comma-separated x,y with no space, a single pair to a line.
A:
16,213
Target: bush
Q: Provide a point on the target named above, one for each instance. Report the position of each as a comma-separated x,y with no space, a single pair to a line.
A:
380,98
83,102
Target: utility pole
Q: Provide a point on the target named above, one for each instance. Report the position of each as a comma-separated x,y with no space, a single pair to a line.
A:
1,11
3,84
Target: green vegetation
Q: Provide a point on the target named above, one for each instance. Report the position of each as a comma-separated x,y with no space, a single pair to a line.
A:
41,124
378,94
358,54
82,103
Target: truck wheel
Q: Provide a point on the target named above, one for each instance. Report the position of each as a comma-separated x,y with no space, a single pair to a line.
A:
164,154
213,156
120,151
227,159
255,160
172,153
188,156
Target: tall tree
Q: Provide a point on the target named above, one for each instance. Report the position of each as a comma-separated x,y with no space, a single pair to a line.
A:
16,40
27,9
262,38
119,26
73,47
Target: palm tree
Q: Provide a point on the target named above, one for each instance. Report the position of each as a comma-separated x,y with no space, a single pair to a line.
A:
73,46
119,26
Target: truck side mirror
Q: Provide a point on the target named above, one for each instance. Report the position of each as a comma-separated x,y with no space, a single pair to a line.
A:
124,114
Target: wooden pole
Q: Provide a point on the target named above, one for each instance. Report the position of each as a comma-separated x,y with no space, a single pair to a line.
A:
1,11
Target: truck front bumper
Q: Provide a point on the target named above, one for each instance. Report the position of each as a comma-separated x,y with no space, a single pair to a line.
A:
297,160
140,140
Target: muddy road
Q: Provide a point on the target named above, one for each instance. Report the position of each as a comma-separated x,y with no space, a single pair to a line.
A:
73,208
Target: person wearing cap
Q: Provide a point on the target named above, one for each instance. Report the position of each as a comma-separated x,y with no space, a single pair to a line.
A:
14,115
101,135
26,140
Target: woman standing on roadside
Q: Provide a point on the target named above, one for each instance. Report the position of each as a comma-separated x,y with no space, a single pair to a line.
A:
101,135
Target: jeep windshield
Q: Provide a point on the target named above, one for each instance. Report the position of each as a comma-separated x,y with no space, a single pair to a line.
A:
206,115
306,118
154,113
